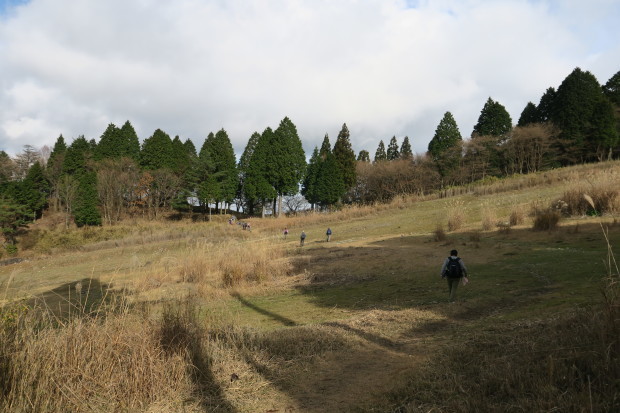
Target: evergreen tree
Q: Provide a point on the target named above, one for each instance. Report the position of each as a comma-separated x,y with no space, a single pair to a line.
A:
309,184
392,150
76,156
326,147
603,134
157,151
57,155
190,149
34,190
288,161
110,144
85,210
529,115
575,104
130,142
611,89
256,183
345,157
405,150
244,163
546,105
12,217
224,162
363,156
380,154
329,184
179,160
6,167
494,120
444,148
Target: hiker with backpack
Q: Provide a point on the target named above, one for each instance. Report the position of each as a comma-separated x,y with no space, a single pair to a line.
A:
329,234
454,271
302,239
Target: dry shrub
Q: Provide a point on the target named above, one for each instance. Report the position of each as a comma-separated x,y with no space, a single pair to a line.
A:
546,220
474,236
488,219
517,216
456,215
90,364
440,234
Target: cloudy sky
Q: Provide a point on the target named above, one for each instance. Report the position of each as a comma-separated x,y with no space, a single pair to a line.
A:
384,67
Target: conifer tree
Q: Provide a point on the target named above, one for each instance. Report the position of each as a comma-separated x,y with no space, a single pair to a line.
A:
444,148
380,154
326,148
157,152
242,167
57,154
288,161
130,142
363,156
224,162
611,89
392,150
85,205
345,157
110,144
494,120
329,182
309,184
405,149
257,183
529,115
546,105
575,104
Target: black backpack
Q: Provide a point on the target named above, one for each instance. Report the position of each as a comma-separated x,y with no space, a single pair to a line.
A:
453,269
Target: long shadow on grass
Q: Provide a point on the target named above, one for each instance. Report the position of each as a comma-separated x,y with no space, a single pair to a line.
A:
285,321
87,297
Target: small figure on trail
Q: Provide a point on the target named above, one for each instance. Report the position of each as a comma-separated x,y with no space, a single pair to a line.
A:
454,271
285,232
248,226
329,234
302,239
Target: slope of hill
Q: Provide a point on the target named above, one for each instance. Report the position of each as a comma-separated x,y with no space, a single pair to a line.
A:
248,321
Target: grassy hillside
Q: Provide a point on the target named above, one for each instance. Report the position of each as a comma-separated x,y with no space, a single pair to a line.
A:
185,316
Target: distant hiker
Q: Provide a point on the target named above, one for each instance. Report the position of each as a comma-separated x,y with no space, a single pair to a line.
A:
285,232
454,271
302,239
329,234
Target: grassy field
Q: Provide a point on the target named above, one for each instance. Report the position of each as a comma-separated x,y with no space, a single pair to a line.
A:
186,316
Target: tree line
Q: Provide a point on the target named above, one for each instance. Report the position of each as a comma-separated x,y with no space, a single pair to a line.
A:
97,183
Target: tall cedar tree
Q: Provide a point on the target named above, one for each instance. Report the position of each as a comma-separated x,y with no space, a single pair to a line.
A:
380,154
249,203
494,120
329,182
58,153
545,107
288,161
392,150
405,149
309,184
363,156
445,147
257,185
181,167
574,110
345,157
326,147
157,152
130,142
76,165
12,217
110,144
529,115
53,171
207,187
225,169
35,190
6,166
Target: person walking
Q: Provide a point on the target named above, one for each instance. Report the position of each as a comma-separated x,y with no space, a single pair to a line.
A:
455,271
329,234
302,239
285,232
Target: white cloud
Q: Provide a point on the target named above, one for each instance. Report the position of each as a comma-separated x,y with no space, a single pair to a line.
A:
191,67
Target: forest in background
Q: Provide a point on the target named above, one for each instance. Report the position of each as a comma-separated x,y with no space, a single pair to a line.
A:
103,182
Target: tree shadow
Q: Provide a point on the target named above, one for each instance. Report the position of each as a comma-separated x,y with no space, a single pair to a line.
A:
277,317
87,297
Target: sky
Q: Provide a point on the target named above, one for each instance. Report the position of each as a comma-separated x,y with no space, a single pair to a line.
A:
384,67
